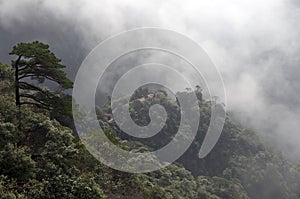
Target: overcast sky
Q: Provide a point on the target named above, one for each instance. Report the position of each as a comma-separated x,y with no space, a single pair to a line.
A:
254,43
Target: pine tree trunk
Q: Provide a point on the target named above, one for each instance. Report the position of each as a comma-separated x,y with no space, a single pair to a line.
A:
17,90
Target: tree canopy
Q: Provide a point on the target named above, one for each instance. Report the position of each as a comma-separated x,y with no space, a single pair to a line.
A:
35,61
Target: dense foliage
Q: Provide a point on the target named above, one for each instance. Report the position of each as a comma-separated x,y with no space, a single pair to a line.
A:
41,158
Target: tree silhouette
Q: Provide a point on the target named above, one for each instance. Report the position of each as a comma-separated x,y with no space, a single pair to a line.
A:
36,62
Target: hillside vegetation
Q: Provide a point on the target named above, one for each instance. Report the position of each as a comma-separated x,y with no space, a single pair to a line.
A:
41,156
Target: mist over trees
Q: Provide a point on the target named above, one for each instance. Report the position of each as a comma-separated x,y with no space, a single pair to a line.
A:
41,157
258,65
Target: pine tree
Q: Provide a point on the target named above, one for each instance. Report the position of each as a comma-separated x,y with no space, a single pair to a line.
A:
36,62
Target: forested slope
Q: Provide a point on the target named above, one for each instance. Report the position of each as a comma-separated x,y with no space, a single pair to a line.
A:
41,158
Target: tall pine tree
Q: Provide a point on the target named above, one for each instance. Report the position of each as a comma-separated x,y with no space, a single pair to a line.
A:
36,62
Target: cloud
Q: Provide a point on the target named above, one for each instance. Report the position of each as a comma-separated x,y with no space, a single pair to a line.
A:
255,45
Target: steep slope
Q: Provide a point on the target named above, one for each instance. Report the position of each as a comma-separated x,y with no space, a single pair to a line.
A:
40,158
239,156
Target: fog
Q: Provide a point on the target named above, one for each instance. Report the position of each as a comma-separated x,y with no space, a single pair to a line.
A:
254,44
